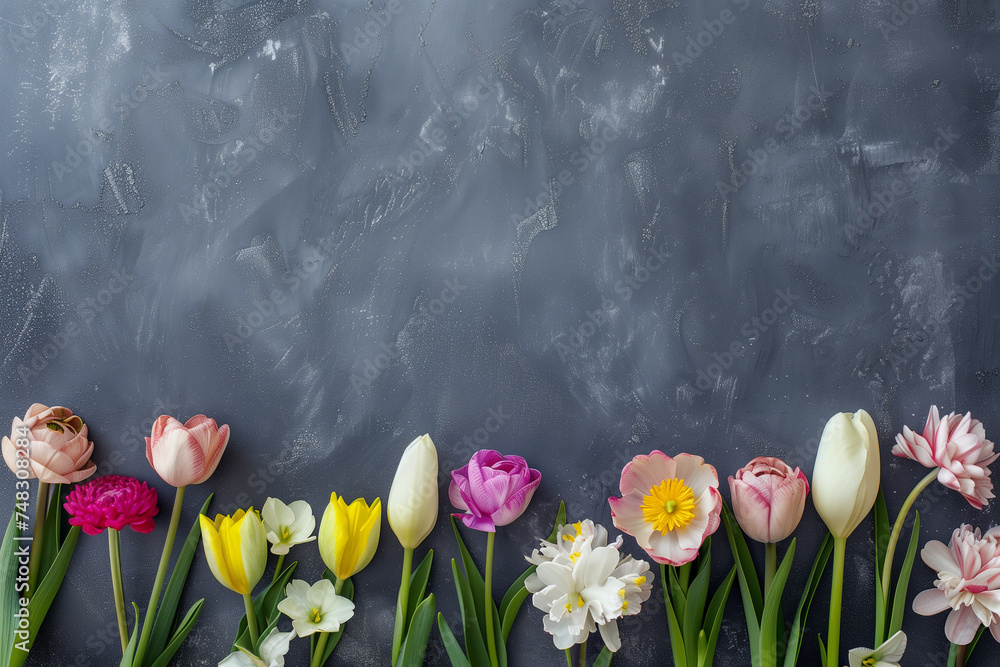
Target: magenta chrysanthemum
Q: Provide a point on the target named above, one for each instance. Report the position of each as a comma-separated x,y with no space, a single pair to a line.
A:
113,501
959,446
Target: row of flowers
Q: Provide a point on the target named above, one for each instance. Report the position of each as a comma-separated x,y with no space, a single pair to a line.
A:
577,576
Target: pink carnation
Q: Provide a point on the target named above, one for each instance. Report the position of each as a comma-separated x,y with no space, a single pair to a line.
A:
959,446
112,501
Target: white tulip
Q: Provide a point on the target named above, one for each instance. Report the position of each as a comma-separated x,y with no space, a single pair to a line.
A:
412,508
847,472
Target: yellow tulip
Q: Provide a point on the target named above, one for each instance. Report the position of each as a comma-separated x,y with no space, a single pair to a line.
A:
236,549
348,535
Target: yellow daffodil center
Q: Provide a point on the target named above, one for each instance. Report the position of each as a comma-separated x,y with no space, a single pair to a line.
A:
868,662
573,556
578,527
579,600
624,605
569,607
315,616
639,581
669,505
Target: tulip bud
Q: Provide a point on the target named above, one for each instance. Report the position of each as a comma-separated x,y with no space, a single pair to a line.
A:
847,472
413,498
348,535
188,453
236,549
768,498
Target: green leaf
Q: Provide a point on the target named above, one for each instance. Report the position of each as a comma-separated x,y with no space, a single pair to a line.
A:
604,659
560,521
265,607
498,638
514,606
52,532
45,593
165,621
455,654
414,647
695,612
772,604
676,636
9,597
903,583
753,602
476,584
475,645
677,594
346,591
805,602
713,617
129,654
418,585
822,650
183,629
882,530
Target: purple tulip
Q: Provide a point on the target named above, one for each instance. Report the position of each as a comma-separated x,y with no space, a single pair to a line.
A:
493,489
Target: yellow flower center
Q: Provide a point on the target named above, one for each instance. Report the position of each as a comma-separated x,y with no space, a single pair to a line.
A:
573,556
569,607
868,662
579,600
668,506
639,581
624,605
285,533
315,615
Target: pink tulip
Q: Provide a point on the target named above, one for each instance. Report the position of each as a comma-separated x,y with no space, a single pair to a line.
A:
114,502
959,446
968,583
184,454
493,489
768,498
55,443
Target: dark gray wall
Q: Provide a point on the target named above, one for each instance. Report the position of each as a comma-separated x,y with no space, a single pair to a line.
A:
335,242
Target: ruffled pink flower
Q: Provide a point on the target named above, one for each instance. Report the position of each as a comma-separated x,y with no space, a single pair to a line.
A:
112,501
669,505
768,498
55,441
493,489
968,583
959,446
187,453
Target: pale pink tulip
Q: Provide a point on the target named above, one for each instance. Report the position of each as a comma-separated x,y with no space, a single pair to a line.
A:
968,583
669,505
56,445
959,446
768,498
493,489
184,454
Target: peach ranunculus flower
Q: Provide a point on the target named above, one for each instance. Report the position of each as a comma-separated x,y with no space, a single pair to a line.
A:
957,445
188,453
669,505
56,444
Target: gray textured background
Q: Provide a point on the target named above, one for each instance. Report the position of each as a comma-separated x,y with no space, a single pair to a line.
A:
568,214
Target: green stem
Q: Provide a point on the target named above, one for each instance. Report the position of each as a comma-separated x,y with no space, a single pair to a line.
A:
161,573
583,651
338,585
38,536
277,568
317,658
114,546
770,565
961,654
897,529
569,658
491,640
251,621
404,601
836,598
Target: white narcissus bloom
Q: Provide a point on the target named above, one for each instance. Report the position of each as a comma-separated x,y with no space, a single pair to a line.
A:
287,525
584,587
273,648
887,655
315,608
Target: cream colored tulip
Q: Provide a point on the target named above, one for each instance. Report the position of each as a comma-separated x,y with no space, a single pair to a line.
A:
412,508
847,472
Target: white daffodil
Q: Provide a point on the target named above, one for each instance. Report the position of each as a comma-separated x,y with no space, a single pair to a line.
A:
887,655
273,648
638,584
287,525
579,597
315,608
569,540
